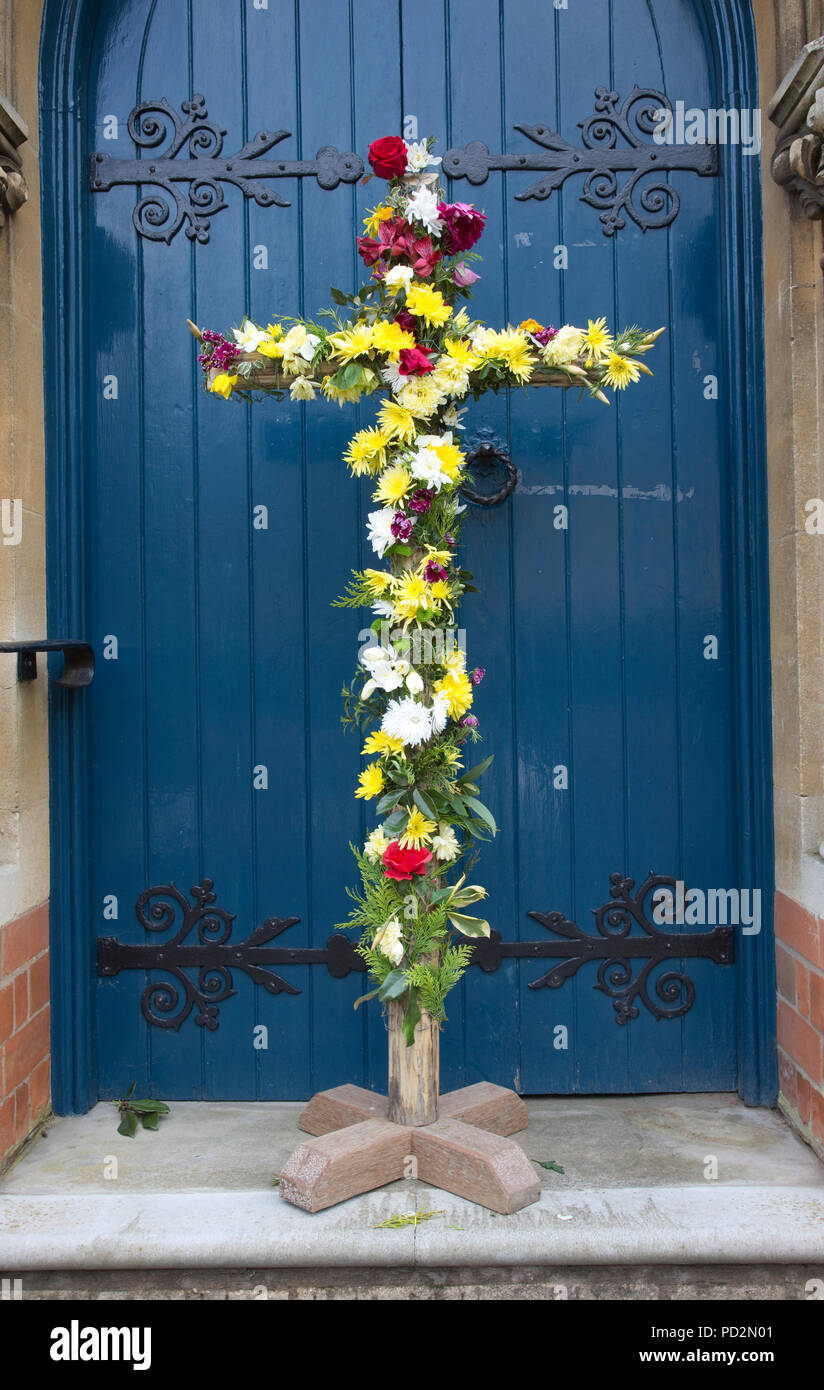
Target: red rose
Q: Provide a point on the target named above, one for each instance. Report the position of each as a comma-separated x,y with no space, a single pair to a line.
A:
408,323
415,361
388,157
401,864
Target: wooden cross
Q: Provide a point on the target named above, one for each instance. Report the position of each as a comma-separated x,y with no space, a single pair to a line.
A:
459,1141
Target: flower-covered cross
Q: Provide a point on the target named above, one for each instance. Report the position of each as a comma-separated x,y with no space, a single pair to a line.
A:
404,334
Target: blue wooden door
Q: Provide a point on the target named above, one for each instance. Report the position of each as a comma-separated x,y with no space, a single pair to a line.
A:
216,750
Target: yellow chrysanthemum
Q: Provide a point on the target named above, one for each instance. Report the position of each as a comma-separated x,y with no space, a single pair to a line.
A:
366,452
397,422
374,217
370,782
393,486
597,341
452,758
223,383
455,660
391,338
461,319
513,348
530,326
382,743
422,396
351,342
621,371
460,351
411,596
440,592
439,557
272,346
418,831
348,396
452,461
428,304
457,688
377,581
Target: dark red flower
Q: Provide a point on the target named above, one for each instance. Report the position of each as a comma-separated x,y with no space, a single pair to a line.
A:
415,361
388,157
434,572
463,226
407,321
369,250
401,864
424,257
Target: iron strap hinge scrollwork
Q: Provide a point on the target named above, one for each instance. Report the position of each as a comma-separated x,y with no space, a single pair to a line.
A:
616,950
205,170
615,143
213,955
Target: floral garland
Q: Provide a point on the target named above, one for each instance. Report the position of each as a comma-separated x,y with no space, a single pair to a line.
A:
413,687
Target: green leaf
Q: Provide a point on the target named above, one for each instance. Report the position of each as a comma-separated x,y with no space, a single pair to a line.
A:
387,801
482,812
363,998
553,1167
128,1124
468,926
158,1107
423,805
477,828
475,772
130,1091
338,297
151,1119
401,549
411,1017
393,986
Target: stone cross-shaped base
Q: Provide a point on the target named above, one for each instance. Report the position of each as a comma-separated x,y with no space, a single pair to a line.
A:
464,1151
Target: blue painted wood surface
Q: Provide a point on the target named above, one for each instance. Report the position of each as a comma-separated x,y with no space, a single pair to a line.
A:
593,637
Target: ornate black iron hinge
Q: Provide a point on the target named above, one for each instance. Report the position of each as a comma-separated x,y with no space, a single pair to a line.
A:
205,170
617,950
615,143
213,955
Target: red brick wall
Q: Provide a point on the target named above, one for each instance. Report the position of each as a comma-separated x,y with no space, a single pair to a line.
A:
24,1026
800,969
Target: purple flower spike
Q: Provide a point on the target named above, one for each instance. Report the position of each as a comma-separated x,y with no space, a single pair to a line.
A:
477,675
469,721
450,540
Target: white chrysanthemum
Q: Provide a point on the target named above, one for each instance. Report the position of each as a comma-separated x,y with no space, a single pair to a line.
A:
249,337
565,346
388,941
399,277
418,157
445,844
379,532
375,845
423,207
428,468
439,714
407,720
384,608
392,376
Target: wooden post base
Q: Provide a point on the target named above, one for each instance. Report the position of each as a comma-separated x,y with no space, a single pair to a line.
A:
357,1148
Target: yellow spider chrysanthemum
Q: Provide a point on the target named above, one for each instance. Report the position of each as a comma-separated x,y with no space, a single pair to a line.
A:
418,831
397,422
428,304
597,341
621,371
374,217
452,758
411,596
377,581
457,688
461,319
223,383
352,342
512,347
272,346
366,452
391,338
460,352
370,782
382,743
440,592
393,486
